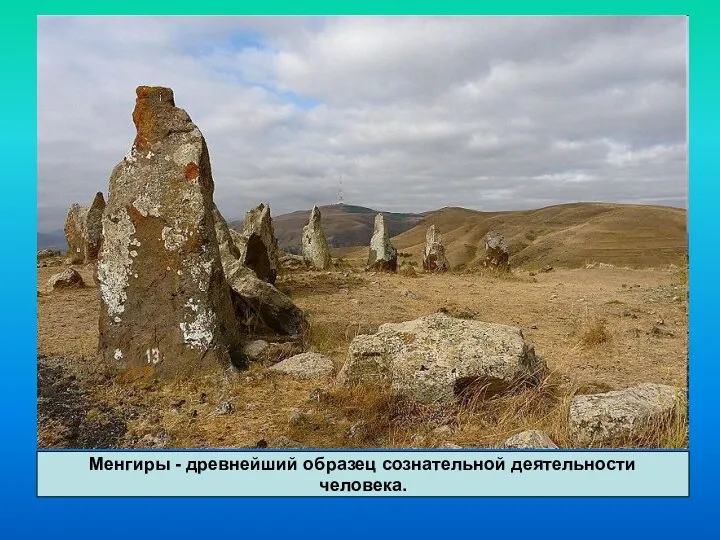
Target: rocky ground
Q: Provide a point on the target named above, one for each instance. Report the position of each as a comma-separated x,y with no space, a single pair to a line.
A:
598,329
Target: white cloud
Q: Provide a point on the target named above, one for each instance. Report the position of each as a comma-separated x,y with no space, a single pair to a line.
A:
414,113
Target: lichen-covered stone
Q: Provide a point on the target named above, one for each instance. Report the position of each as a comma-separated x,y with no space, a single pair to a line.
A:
83,230
434,259
288,261
255,349
436,357
315,248
497,252
255,301
382,256
305,366
599,419
165,302
260,302
257,243
67,279
47,254
531,438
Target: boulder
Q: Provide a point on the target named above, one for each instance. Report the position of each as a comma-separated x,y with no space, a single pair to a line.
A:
382,256
257,243
315,249
47,254
67,279
288,261
255,349
531,438
255,300
305,366
599,419
497,252
436,357
277,352
434,259
259,301
83,230
165,302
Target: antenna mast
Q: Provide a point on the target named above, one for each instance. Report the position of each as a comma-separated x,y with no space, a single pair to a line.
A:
341,200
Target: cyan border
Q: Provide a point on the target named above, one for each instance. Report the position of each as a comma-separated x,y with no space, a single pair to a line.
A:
351,518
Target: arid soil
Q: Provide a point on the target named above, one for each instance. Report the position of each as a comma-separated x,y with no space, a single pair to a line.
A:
598,329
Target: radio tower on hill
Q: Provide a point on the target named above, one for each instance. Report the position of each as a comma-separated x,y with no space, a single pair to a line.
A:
341,200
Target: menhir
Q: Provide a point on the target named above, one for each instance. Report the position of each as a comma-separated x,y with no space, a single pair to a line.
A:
165,303
83,230
382,255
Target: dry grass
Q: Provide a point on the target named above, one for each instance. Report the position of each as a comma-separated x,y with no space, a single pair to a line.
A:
594,333
407,271
567,235
553,312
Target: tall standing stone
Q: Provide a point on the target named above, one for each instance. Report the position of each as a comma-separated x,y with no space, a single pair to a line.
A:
497,252
434,259
83,230
383,256
165,303
314,245
258,245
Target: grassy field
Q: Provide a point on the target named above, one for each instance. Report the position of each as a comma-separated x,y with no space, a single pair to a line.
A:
598,329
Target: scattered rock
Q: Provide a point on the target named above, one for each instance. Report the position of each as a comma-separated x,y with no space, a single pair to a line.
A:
317,395
160,259
358,429
66,279
285,442
305,366
451,446
225,408
289,261
545,269
298,419
602,418
314,244
657,331
382,256
529,439
47,253
154,441
497,252
434,259
255,349
436,357
409,294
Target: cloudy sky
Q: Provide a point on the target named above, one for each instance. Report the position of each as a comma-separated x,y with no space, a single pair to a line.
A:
412,113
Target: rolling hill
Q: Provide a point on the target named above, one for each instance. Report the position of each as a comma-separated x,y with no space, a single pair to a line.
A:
569,235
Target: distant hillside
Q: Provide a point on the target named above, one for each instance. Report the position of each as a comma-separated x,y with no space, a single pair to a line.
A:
345,225
52,240
565,235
